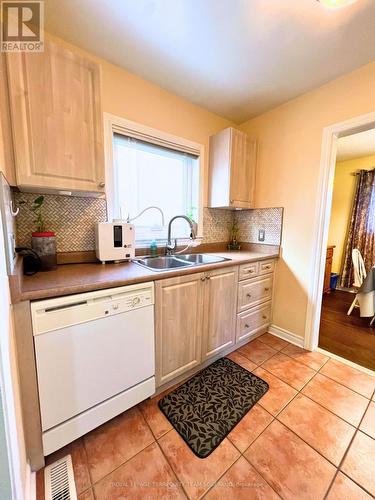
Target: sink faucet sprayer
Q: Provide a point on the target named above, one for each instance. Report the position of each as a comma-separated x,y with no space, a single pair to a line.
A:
171,247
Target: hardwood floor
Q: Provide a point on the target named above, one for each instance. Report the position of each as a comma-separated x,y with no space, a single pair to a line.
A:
348,336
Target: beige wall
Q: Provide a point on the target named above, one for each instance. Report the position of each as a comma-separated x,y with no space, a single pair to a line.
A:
129,96
342,202
290,140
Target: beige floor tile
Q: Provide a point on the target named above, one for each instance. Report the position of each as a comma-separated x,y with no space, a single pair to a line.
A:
241,482
368,422
249,427
146,476
111,444
350,377
86,495
242,361
257,351
359,463
273,341
289,465
155,418
322,430
314,360
197,475
336,398
288,370
344,489
278,395
79,461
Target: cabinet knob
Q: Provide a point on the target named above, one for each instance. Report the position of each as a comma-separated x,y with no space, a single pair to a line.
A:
264,316
267,267
266,289
247,326
248,295
101,184
250,271
203,278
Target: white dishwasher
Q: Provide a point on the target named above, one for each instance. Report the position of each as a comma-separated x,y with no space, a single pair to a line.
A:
95,358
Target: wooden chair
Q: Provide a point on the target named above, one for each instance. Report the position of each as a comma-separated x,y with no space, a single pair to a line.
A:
359,276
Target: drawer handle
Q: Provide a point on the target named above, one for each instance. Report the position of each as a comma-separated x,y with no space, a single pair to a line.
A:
267,267
266,289
247,326
264,316
249,271
203,278
248,295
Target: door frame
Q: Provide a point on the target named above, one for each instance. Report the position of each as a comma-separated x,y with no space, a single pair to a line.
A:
323,215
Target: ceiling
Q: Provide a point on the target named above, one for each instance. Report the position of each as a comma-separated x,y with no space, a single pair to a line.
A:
356,145
237,58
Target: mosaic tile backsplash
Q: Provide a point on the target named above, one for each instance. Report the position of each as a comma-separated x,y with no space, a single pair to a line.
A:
216,224
268,219
73,219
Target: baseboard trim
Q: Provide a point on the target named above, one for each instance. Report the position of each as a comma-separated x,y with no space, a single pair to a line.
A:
346,362
286,335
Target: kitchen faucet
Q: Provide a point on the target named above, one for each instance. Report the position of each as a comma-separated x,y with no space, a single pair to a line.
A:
171,247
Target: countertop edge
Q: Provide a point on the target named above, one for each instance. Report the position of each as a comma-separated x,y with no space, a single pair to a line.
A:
58,291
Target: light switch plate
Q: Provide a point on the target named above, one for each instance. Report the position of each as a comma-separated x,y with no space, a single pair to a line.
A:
261,235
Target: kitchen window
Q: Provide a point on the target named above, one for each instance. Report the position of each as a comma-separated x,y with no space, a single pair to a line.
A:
151,170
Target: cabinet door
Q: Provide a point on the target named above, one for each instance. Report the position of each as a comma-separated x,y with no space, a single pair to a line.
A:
6,142
178,311
56,120
243,164
220,288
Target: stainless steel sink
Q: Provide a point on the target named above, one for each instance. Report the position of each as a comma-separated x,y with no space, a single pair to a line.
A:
200,258
167,262
161,263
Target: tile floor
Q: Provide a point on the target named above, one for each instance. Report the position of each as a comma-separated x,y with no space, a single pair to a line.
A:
312,436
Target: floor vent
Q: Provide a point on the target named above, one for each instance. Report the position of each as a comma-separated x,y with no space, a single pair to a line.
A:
59,480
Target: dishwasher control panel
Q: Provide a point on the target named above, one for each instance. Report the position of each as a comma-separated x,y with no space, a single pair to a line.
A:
131,301
54,314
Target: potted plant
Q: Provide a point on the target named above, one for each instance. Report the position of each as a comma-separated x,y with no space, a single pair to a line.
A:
43,242
233,238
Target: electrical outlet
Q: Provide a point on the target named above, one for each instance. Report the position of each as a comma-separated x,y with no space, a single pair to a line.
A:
261,235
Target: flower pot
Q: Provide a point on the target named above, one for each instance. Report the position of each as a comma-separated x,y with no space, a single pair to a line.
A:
44,244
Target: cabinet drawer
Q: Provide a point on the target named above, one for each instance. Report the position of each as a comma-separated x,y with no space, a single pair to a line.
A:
248,270
254,291
266,266
252,321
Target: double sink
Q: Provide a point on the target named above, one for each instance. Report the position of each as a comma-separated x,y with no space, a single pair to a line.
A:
167,262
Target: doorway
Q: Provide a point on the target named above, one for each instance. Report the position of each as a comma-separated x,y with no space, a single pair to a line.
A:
345,325
343,338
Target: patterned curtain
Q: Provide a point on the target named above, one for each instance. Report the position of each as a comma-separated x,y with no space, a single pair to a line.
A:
362,226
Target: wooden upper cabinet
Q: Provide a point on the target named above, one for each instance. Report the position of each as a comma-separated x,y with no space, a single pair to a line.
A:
6,141
56,120
232,169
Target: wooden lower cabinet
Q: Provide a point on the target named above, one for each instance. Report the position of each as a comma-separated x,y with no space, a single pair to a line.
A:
199,316
328,269
252,321
179,325
220,311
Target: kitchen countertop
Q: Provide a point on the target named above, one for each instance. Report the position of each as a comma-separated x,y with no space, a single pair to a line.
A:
77,278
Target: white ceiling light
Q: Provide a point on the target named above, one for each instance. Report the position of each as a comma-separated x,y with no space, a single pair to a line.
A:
336,4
